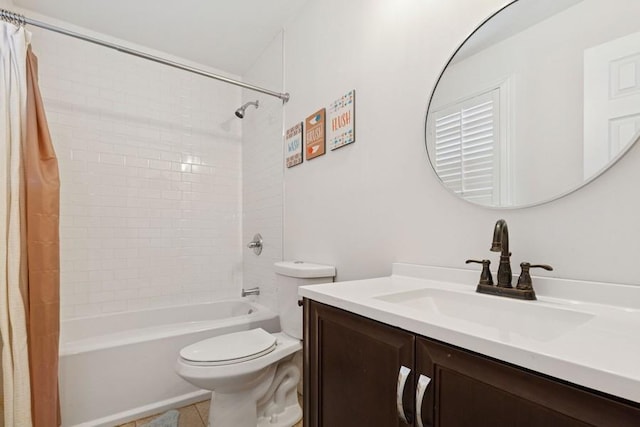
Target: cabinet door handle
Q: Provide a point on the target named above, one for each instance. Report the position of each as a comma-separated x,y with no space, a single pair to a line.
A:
421,388
403,374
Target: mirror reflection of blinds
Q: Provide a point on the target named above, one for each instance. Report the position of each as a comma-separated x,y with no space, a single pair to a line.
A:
466,147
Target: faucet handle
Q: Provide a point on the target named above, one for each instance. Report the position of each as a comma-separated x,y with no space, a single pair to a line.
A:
485,276
524,281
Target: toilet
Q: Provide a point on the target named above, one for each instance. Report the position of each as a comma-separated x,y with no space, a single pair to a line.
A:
252,374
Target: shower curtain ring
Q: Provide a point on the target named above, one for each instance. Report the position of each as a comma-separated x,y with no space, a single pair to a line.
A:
13,18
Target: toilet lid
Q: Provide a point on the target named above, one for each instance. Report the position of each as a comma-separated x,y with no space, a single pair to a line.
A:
230,348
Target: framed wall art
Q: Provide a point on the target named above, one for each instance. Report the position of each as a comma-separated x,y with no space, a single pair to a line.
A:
341,127
315,136
293,145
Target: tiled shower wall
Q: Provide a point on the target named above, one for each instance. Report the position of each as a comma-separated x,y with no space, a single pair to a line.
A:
150,163
262,164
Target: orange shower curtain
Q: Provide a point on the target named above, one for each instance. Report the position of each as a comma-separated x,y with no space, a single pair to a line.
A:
42,299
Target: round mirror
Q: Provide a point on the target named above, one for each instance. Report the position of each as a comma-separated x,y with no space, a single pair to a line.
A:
541,99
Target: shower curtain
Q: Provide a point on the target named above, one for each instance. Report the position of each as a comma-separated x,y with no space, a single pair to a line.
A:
29,241
42,188
13,324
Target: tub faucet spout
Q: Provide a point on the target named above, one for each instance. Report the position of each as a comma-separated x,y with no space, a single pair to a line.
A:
501,244
252,291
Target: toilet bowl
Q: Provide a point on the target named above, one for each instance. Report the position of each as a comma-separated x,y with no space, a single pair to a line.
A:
241,377
252,374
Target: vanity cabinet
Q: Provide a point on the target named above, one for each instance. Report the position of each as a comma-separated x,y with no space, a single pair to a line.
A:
351,367
354,366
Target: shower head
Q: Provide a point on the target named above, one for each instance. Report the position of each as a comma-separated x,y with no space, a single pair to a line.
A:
240,111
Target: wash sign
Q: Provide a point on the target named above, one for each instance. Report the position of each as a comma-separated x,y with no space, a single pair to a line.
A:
341,121
293,146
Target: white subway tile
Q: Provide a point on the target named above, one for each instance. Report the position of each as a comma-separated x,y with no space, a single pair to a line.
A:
67,311
83,310
160,164
132,143
113,159
204,170
136,162
114,306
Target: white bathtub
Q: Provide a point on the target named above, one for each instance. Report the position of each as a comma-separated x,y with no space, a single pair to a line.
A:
120,367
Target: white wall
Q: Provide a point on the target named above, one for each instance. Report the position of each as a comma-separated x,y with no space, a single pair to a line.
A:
150,163
377,201
262,173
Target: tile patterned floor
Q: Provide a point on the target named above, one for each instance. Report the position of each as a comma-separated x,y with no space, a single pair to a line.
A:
195,415
190,416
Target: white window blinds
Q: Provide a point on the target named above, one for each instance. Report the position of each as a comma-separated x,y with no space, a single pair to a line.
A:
467,145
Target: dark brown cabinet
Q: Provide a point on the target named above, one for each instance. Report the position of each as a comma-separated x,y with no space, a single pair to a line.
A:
355,366
351,366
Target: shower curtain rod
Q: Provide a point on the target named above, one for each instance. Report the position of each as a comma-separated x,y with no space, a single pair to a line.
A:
18,19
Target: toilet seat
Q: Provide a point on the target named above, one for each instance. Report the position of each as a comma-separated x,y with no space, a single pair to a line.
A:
230,348
202,373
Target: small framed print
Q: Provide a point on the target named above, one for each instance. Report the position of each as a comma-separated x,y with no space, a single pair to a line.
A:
293,145
315,136
341,129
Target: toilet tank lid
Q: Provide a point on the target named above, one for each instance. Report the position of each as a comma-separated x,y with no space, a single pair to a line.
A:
304,270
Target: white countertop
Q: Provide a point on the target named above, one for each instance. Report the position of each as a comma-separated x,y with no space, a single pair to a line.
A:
601,352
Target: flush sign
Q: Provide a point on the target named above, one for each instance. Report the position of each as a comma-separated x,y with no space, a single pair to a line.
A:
293,146
341,121
315,134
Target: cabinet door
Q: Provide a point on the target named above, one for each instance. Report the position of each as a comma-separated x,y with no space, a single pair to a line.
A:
470,390
352,367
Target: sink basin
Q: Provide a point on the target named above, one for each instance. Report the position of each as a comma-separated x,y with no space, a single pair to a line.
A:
509,318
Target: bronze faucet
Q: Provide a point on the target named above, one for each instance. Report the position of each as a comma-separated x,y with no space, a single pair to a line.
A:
501,244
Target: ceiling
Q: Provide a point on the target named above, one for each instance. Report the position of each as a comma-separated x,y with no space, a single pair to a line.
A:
228,35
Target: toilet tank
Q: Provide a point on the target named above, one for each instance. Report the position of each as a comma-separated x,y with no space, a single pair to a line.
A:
289,276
